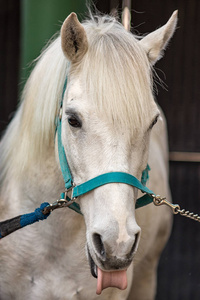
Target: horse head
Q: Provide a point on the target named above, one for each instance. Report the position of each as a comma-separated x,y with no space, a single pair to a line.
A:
107,118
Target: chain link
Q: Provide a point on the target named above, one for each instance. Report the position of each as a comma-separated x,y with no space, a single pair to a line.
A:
191,215
158,200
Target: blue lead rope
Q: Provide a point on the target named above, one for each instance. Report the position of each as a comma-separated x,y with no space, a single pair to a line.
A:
11,225
35,216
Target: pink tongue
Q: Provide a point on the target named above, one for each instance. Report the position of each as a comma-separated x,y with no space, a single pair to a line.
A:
116,279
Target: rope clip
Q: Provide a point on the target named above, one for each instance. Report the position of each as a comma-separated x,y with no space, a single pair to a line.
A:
158,200
65,202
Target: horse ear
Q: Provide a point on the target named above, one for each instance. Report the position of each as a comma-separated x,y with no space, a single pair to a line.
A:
156,42
73,38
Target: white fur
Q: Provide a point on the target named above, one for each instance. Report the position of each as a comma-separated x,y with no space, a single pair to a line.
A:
110,90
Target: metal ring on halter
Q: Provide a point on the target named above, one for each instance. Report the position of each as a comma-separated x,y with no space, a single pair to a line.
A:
65,202
69,193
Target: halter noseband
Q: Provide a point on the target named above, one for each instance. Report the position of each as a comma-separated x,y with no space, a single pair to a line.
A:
112,177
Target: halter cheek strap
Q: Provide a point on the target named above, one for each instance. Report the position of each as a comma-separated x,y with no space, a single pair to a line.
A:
112,177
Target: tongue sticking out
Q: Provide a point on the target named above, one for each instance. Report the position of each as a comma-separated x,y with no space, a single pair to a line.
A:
116,279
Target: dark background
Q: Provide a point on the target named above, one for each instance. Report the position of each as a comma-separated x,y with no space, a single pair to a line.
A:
179,275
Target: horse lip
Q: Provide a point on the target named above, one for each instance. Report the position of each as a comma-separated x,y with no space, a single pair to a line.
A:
112,265
93,266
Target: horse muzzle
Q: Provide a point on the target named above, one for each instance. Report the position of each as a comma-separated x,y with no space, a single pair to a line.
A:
108,263
114,255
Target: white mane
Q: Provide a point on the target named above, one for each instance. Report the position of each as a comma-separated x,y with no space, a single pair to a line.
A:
117,73
114,59
33,127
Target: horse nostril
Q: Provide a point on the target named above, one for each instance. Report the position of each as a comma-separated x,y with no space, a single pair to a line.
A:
99,245
135,244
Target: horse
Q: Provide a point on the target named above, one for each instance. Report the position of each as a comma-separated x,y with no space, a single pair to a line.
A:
110,123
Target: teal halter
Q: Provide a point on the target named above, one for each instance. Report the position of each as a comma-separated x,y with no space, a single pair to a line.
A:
112,177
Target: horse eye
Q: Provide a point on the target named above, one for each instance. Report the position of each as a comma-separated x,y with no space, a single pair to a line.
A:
154,122
72,120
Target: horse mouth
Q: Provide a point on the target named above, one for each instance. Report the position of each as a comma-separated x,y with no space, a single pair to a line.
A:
93,266
107,279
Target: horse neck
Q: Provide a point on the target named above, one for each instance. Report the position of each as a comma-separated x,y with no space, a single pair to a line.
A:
39,181
42,182
40,169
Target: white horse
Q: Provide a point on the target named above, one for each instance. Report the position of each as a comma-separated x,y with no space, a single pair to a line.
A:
107,125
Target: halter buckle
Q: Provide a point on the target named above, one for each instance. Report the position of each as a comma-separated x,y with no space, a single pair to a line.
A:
69,193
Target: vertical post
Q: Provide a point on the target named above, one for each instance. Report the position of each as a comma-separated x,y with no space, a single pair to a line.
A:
126,14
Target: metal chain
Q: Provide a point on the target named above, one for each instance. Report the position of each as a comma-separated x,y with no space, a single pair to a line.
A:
191,215
158,200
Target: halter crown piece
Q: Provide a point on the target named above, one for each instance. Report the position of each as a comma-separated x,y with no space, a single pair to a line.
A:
112,177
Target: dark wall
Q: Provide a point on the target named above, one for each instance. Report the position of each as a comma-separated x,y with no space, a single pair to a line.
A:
179,69
9,58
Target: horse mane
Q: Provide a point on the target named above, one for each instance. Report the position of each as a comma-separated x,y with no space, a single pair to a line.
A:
122,88
32,129
116,59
